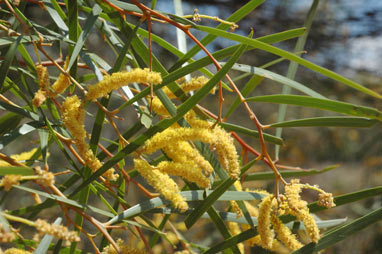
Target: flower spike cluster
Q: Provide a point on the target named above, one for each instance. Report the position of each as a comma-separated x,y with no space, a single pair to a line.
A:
187,162
273,234
162,183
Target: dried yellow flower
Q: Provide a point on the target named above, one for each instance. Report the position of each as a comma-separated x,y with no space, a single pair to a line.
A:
43,82
58,231
326,200
162,183
6,237
9,180
119,79
46,178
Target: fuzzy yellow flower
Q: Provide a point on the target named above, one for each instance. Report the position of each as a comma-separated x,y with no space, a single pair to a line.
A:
58,231
284,234
19,157
187,170
119,79
234,228
162,183
224,144
73,116
192,85
124,249
267,235
182,151
9,181
62,82
43,82
16,251
299,208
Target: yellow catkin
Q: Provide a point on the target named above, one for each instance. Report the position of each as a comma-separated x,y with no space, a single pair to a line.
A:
58,231
62,82
222,140
170,135
9,181
267,235
284,234
16,251
187,170
158,107
43,82
234,228
192,85
225,147
124,249
162,183
182,151
19,157
73,116
119,79
299,208
235,207
46,178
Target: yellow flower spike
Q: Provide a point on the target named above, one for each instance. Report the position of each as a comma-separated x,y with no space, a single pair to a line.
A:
226,152
16,251
182,151
234,228
169,135
222,140
8,181
158,107
225,147
284,234
187,170
192,85
299,208
19,157
73,116
124,249
62,82
277,247
119,79
43,82
58,231
267,235
162,183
